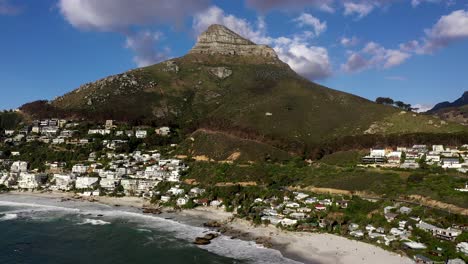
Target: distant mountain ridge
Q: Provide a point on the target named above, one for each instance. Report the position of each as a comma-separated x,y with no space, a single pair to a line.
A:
457,111
463,100
233,98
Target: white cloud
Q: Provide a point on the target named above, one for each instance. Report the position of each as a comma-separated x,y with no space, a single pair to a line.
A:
308,20
267,5
308,60
143,44
374,55
6,8
349,42
112,15
121,15
355,63
361,9
450,28
416,3
423,107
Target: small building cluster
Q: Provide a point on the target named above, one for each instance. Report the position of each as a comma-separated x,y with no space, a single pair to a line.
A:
412,158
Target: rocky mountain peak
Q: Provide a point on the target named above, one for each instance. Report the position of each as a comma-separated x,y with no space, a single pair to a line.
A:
219,40
222,34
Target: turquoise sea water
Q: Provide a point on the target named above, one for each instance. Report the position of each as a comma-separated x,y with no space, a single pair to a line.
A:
36,230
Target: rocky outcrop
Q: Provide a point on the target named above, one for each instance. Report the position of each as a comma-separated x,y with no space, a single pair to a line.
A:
205,240
221,72
219,40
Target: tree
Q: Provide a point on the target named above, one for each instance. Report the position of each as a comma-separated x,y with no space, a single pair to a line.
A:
384,100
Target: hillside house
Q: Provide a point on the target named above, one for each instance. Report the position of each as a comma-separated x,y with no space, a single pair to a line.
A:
109,184
141,133
30,180
163,131
19,166
86,182
443,233
80,169
64,182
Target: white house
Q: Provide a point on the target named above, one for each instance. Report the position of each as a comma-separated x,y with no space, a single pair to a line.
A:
463,247
79,169
64,182
377,153
182,201
288,222
196,191
19,166
109,183
146,185
86,182
129,185
141,133
163,131
165,198
437,148
29,180
176,191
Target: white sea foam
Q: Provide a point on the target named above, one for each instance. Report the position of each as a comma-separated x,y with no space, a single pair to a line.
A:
7,217
89,221
224,246
143,230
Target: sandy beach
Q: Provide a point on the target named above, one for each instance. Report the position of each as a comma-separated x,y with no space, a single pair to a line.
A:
305,247
300,246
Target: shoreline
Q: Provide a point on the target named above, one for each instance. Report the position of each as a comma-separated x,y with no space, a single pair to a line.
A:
308,248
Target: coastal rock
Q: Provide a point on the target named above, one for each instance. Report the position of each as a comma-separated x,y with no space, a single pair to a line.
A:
155,211
210,236
201,241
215,224
219,40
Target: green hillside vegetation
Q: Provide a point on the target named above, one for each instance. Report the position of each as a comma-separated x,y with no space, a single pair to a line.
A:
344,158
9,120
389,184
224,147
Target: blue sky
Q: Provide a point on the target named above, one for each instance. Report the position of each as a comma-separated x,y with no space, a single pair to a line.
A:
411,50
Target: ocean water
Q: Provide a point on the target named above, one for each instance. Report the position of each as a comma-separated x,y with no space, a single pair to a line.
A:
42,230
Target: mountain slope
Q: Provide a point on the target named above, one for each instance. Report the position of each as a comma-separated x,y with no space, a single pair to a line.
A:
457,111
227,83
462,101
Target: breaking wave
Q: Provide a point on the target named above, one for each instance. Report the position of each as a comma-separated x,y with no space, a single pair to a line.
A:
89,221
7,217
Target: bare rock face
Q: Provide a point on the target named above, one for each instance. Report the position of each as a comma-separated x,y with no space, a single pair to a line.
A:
219,40
221,72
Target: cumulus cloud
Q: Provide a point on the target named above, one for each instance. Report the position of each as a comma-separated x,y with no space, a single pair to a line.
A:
355,63
450,28
267,5
112,15
374,55
360,9
349,42
6,8
143,44
310,61
121,15
421,108
307,20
